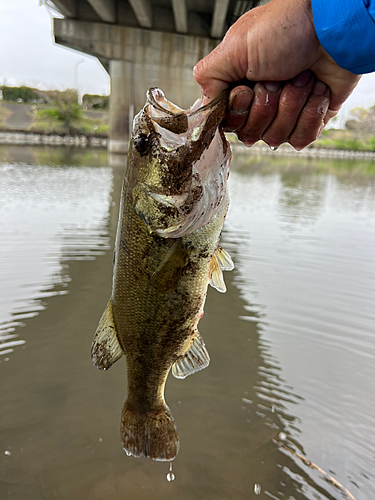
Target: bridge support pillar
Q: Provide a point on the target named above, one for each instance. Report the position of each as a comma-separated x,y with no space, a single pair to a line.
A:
137,60
120,105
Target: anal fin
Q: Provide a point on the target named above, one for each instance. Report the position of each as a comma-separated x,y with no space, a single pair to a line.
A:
196,358
106,349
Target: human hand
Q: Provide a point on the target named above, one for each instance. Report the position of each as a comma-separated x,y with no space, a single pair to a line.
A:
299,86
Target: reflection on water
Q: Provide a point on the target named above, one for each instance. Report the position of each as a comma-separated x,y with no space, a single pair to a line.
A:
291,342
308,244
48,215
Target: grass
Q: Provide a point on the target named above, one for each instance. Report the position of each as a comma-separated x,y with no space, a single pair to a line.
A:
68,119
345,139
289,165
335,139
4,114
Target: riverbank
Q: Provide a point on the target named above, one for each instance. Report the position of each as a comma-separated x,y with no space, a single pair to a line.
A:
30,138
309,152
26,137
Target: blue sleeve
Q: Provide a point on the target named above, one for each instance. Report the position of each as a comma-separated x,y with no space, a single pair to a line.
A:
346,30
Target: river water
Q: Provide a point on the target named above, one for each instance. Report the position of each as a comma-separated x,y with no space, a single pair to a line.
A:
286,407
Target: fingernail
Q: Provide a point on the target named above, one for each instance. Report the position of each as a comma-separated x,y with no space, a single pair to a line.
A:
241,103
272,86
302,79
319,88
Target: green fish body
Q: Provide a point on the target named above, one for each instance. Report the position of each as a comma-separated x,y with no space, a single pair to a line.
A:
173,205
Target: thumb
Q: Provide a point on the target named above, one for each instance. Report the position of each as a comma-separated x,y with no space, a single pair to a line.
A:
340,81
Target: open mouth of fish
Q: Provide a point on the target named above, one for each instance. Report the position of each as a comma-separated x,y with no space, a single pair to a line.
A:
193,146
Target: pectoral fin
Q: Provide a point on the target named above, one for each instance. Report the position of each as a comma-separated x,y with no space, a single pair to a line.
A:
171,267
196,358
221,261
106,349
225,260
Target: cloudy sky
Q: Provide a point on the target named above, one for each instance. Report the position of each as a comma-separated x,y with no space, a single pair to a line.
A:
28,56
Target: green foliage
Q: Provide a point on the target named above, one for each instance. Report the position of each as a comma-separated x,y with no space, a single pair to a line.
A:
359,113
353,140
68,96
351,144
102,129
93,101
63,117
69,118
371,143
21,94
34,96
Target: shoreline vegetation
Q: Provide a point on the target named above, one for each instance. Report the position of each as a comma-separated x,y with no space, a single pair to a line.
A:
31,116
53,117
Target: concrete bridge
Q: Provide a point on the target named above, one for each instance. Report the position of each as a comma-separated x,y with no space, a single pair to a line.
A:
145,43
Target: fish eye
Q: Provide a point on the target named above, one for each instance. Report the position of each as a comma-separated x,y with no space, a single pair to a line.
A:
141,143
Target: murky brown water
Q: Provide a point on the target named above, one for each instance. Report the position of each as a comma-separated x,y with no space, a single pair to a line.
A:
292,342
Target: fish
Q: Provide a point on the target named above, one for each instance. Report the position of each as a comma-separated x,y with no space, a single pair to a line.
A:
173,205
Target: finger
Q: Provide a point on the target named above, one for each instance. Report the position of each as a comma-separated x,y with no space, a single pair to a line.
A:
292,99
330,114
311,120
240,100
263,110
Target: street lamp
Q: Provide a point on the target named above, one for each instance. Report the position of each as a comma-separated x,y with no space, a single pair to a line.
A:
76,64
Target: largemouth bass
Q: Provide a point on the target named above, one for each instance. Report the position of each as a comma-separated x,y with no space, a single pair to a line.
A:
173,205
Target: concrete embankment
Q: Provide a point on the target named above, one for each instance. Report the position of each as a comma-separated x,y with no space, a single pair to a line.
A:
33,138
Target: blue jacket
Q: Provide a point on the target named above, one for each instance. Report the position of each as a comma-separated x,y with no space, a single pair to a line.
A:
346,30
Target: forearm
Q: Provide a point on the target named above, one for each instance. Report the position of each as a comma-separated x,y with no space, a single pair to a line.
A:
346,30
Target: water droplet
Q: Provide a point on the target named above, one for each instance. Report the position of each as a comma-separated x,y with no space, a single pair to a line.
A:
6,359
273,408
100,440
7,453
128,453
273,148
283,436
170,475
257,489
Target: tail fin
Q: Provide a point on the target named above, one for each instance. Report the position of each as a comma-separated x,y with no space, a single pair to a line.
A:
152,435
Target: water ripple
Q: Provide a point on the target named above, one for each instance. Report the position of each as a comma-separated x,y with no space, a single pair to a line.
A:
48,216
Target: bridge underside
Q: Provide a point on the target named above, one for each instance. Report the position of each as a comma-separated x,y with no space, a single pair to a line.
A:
136,60
145,43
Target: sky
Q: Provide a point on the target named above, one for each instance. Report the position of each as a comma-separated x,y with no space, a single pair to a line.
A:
29,56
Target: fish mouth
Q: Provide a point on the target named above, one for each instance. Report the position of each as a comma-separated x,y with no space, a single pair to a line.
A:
193,145
177,127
